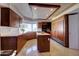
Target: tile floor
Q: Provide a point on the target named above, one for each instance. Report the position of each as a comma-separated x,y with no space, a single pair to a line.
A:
30,49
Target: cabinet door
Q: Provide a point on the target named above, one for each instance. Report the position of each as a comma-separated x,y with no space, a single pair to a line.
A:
14,19
4,16
8,43
43,43
9,18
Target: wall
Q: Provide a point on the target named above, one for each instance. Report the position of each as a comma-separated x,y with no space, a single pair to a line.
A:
74,31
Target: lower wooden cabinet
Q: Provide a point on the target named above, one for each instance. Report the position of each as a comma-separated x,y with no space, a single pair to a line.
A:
8,43
43,43
20,43
22,39
16,42
13,43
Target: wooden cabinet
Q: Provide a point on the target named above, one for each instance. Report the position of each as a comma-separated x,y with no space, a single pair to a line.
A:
16,42
9,18
39,24
45,26
14,19
5,13
8,43
43,43
60,30
22,39
20,42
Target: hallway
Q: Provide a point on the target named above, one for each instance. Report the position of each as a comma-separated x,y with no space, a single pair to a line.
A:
30,49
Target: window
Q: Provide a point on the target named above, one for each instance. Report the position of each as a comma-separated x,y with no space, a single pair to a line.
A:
34,27
26,27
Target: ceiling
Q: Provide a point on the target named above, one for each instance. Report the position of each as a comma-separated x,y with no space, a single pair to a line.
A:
42,11
35,13
39,13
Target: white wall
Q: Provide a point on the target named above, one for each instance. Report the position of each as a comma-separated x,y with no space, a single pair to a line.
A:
74,31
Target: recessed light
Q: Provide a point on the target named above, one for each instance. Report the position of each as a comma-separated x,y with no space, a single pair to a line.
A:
51,9
35,8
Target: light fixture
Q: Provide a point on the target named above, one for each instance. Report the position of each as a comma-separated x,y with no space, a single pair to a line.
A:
51,9
35,8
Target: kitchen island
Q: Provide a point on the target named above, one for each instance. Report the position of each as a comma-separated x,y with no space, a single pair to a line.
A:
43,42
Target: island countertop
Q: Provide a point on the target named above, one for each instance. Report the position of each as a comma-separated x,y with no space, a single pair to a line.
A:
42,33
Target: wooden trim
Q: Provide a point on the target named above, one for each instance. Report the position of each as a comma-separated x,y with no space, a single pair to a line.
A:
52,13
72,13
44,5
66,31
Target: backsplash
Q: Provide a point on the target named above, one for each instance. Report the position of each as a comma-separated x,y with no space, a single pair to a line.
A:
9,31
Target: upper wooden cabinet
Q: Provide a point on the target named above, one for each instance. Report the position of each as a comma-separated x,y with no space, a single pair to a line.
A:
14,19
9,18
9,43
5,16
45,26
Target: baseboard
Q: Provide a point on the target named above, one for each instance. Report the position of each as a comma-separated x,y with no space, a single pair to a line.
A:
58,40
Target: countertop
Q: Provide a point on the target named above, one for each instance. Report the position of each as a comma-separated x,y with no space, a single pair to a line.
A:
42,33
38,33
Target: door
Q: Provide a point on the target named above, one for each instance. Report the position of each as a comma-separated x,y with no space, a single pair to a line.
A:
74,31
